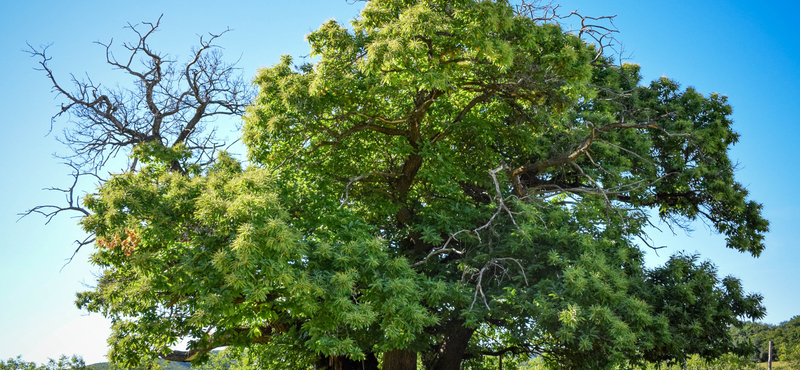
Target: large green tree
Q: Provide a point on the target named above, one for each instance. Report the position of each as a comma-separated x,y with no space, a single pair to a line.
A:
449,181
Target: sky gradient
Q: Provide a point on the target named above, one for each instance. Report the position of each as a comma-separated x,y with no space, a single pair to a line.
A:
746,52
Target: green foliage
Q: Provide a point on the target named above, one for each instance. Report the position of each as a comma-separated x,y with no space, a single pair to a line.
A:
448,179
155,152
784,336
694,362
430,119
790,354
277,355
160,364
63,363
756,336
700,308
188,247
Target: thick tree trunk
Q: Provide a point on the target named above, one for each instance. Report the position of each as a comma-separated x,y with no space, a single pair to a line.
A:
451,351
399,359
344,363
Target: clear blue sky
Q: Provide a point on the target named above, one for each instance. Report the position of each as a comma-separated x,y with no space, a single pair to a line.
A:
745,50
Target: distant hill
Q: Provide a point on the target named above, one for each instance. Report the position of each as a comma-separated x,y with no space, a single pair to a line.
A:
785,335
165,365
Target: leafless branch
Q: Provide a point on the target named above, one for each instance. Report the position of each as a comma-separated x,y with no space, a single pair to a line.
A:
444,248
598,30
493,263
582,148
626,151
501,207
649,245
537,11
600,189
165,102
49,211
88,240
479,289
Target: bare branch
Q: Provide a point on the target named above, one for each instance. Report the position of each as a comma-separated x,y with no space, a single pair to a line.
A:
166,103
649,245
598,30
49,211
88,240
493,263
583,147
501,207
536,11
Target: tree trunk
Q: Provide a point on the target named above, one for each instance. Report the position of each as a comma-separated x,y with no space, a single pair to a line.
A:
451,351
344,363
399,359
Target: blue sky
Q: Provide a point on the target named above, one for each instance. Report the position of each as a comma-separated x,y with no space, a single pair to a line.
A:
744,50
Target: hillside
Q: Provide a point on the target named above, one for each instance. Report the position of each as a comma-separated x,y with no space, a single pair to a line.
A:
165,365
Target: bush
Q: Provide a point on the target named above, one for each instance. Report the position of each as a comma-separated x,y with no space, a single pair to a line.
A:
63,363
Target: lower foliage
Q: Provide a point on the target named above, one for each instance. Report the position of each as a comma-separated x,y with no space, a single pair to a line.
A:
63,363
725,362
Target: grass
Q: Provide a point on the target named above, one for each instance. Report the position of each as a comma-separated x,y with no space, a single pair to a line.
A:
776,365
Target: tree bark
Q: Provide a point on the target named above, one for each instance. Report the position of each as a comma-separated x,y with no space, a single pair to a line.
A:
399,359
453,347
344,363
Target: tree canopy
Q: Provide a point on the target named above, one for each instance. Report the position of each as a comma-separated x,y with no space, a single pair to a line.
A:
446,181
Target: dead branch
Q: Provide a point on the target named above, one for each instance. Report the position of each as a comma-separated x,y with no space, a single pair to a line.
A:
88,240
49,211
598,30
165,102
536,11
501,207
582,148
496,264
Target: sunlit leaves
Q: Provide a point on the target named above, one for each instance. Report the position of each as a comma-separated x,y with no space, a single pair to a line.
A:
440,169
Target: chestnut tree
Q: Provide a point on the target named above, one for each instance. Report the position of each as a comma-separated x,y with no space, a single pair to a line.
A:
446,184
